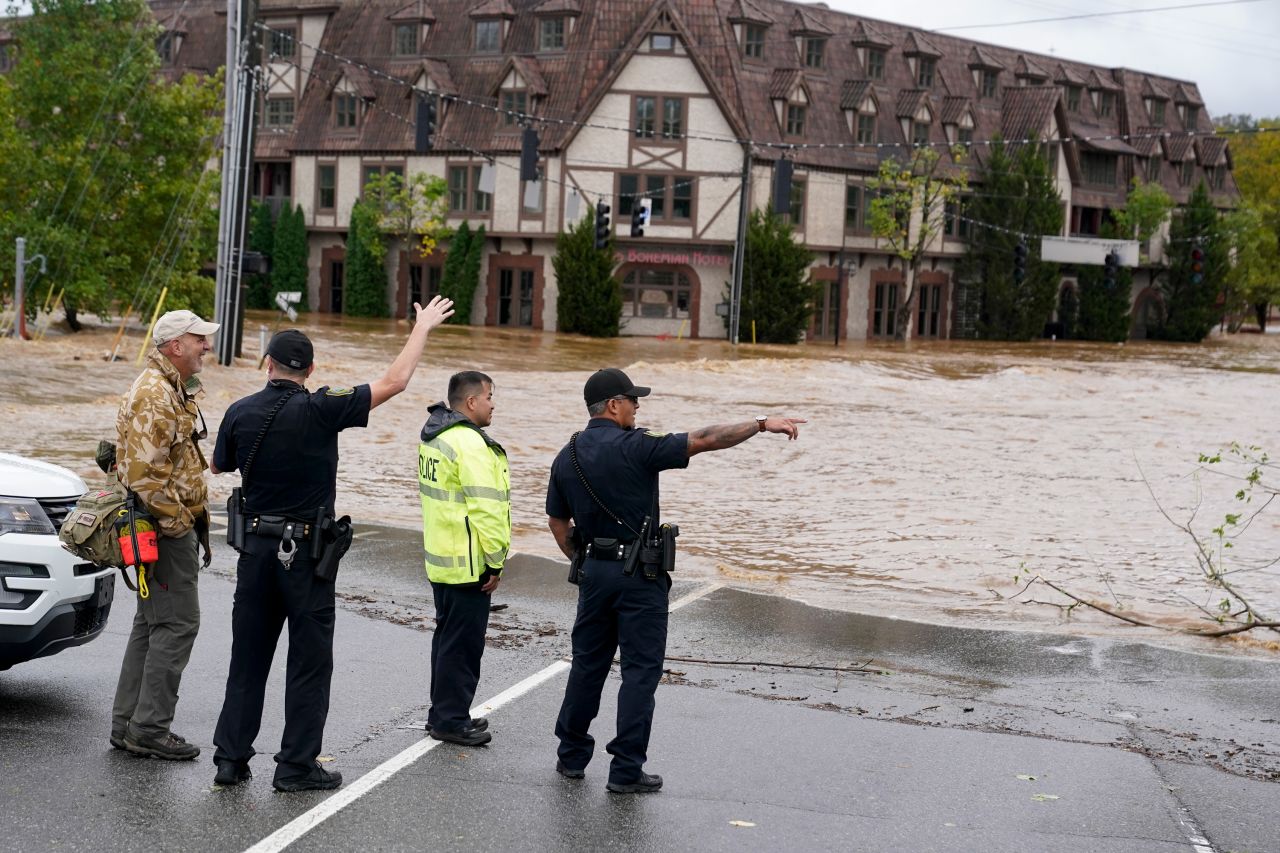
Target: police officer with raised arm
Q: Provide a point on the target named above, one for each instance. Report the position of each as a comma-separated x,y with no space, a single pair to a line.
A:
284,441
602,508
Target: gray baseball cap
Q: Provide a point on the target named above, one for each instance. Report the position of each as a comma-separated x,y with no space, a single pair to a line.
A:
175,324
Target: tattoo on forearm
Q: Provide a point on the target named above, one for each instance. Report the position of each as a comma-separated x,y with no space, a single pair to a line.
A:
722,436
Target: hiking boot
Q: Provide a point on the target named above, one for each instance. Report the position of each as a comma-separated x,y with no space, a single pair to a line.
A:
569,772
646,784
117,740
318,779
231,773
168,746
469,736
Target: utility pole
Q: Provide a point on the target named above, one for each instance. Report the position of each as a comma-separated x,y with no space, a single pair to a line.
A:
740,247
237,159
19,286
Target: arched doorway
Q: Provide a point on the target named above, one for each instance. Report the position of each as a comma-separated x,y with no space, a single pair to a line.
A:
659,299
1148,313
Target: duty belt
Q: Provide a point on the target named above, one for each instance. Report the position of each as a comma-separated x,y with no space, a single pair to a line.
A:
277,526
608,549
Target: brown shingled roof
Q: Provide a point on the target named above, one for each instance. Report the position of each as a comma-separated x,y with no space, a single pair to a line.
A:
1153,90
1099,81
803,23
852,93
909,101
1098,139
745,10
979,58
1029,68
1146,142
953,109
1184,94
866,35
1067,74
359,80
784,82
527,68
1026,111
1213,150
415,12
567,7
1178,147
493,9
916,45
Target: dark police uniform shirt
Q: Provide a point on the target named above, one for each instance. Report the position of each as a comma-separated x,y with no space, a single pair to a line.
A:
296,468
622,467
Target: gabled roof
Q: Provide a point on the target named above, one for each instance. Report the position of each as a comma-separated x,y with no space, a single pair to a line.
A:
1098,139
1178,147
1151,89
1097,81
1213,150
529,71
493,9
1146,141
1026,110
910,101
916,45
170,23
1184,95
1028,68
803,22
745,10
558,7
954,108
853,93
979,58
1066,74
414,13
359,79
784,81
865,35
435,69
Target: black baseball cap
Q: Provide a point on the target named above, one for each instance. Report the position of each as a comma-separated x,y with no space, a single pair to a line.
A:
292,349
611,382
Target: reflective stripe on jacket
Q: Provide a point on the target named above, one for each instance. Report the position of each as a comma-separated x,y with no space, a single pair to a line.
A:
466,504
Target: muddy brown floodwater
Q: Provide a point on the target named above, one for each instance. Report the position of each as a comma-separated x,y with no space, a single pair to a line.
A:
930,482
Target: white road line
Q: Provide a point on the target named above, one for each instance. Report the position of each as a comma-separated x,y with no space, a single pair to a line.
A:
307,821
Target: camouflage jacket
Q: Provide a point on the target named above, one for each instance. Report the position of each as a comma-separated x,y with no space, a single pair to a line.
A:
156,450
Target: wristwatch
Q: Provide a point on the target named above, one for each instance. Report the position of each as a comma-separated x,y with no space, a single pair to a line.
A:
760,419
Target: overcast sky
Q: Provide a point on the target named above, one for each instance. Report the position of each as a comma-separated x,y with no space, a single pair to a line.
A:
1232,52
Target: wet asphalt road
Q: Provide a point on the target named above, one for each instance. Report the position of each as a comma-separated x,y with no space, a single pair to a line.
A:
945,739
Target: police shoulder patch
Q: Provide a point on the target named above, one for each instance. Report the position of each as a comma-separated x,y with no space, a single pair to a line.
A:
339,392
653,433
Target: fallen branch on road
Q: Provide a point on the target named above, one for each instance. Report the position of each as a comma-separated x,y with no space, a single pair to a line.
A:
860,668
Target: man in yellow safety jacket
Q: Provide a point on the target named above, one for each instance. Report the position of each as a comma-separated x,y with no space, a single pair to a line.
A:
466,531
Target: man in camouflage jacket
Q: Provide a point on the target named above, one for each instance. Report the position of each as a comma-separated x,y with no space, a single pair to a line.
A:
158,457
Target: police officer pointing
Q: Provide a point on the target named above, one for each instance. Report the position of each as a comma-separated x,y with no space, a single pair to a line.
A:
605,481
284,441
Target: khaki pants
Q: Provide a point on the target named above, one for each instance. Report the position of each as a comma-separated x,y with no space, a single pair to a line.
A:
164,630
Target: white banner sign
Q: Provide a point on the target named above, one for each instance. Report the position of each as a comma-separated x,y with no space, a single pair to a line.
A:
1088,250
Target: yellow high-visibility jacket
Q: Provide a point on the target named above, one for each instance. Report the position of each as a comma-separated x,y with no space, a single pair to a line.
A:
466,499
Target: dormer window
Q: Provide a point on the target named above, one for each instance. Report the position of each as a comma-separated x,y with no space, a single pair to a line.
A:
753,41
167,47
488,36
925,67
1190,114
796,115
865,134
920,132
1106,104
989,80
1073,99
1155,109
551,34
346,111
404,40
875,64
282,43
513,102
814,52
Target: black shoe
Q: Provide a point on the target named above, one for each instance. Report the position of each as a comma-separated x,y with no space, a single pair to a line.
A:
568,772
646,784
117,740
480,724
231,773
168,746
469,736
318,779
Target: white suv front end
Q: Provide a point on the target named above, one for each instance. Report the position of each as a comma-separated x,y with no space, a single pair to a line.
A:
50,599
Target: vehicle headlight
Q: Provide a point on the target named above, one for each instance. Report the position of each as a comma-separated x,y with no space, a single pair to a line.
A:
23,515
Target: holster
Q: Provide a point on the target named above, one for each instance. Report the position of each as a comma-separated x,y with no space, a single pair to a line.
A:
668,533
235,520
579,556
335,538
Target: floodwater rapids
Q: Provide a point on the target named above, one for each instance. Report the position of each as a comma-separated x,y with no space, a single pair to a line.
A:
932,481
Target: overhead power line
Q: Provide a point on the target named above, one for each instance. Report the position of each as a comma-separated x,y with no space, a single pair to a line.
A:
1088,15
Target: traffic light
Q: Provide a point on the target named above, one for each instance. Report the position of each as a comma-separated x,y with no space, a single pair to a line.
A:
425,130
1197,265
1019,262
603,229
640,216
1110,270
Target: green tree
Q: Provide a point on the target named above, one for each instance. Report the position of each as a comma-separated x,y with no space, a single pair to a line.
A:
262,234
102,162
1104,312
589,301
1253,279
908,212
1145,209
1190,306
461,275
414,208
289,263
365,290
1017,197
777,292
1255,166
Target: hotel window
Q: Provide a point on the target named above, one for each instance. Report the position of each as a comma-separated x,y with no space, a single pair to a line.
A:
884,309
424,282
875,64
672,118
513,101
989,79
656,293
346,111
369,172
929,311
1073,99
814,52
1157,112
464,191
1153,169
488,36
797,203
753,42
282,42
866,133
920,132
964,136
515,297
671,195
551,34
1106,104
924,74
647,108
1186,173
326,186
279,112
1099,169
662,43
853,209
795,119
164,47
1191,115
405,40
1217,177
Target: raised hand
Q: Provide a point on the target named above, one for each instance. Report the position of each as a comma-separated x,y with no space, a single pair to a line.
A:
436,311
